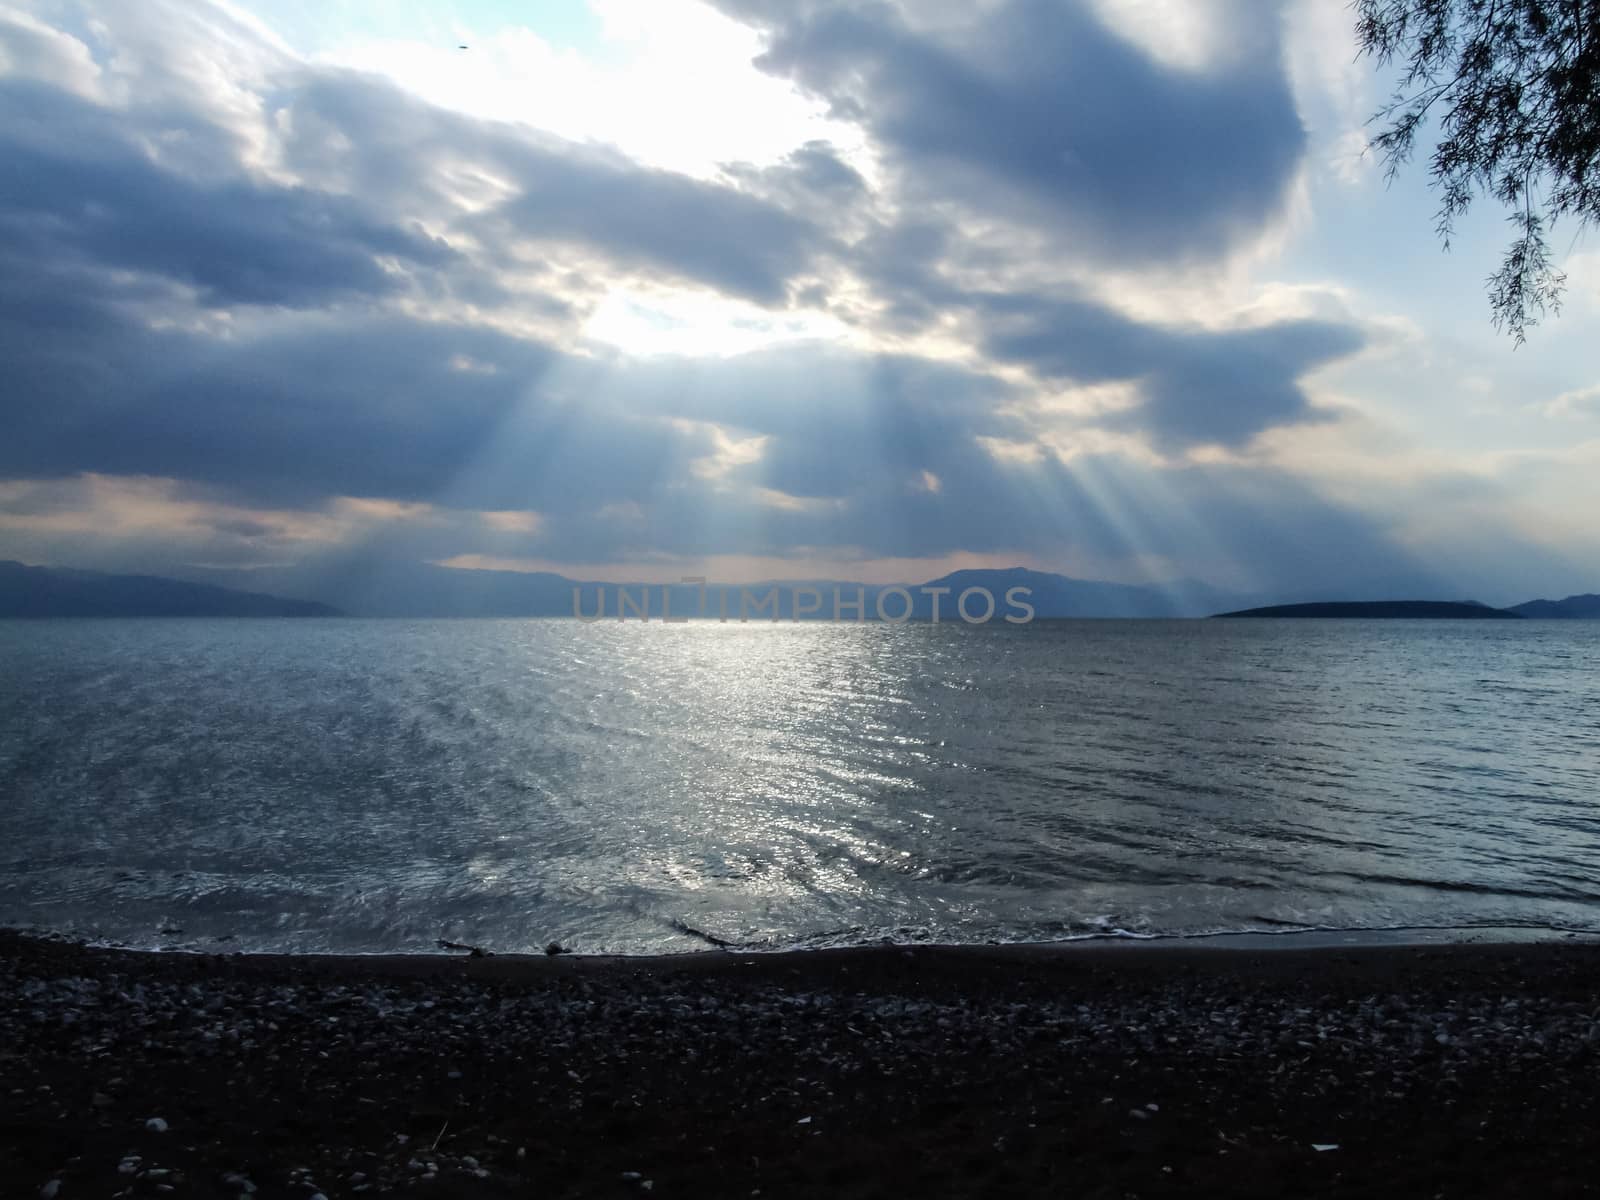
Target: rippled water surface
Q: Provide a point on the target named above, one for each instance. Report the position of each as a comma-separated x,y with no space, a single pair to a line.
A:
378,785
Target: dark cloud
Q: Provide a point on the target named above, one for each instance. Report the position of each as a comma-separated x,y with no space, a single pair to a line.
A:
365,406
1197,386
812,177
658,220
88,194
1035,110
902,263
837,420
245,528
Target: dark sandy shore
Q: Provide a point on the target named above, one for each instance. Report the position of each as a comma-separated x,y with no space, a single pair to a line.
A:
980,1071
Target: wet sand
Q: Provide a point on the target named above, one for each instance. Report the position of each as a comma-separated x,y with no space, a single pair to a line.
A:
1102,1070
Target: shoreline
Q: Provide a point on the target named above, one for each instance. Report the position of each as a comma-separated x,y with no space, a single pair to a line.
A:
1288,938
1139,954
945,968
1110,1068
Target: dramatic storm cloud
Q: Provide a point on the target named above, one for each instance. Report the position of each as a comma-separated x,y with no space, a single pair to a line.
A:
905,286
1198,386
1039,112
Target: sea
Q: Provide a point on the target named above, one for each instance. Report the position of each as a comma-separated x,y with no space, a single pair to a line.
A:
631,787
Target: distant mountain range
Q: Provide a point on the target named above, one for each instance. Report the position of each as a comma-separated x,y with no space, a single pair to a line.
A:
1389,609
1574,608
50,592
425,590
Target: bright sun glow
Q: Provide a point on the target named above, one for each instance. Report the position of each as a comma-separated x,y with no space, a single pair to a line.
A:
708,104
699,324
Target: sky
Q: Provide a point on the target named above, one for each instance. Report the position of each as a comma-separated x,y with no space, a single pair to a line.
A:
749,289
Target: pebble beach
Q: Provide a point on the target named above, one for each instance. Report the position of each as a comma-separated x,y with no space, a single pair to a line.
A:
1447,1070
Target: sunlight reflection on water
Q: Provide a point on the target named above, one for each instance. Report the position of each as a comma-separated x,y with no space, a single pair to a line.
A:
366,785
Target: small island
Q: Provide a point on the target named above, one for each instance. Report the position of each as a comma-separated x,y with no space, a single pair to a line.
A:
1382,609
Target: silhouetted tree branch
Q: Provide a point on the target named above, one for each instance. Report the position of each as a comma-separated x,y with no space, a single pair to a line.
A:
1511,86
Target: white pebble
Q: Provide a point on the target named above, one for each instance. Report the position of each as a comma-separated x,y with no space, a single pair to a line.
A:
155,1125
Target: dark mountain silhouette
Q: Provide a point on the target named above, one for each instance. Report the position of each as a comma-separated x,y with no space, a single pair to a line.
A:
393,590
1062,596
51,592
1574,608
1432,609
387,588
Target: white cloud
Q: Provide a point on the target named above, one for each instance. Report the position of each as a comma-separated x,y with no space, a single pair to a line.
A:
30,49
1192,34
1580,403
1336,88
1582,299
512,521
